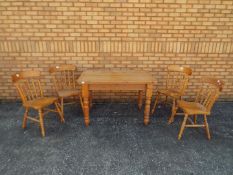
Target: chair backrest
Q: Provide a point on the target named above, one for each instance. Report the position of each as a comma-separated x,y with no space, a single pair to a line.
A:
64,76
28,85
209,91
177,78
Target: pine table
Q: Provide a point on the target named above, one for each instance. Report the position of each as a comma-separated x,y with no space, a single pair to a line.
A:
116,80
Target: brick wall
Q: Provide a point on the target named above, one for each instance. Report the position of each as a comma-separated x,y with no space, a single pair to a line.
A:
117,34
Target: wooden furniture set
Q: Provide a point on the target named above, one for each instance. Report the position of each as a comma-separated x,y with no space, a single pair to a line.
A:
66,84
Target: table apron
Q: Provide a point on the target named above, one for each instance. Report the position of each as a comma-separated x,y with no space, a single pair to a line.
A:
103,87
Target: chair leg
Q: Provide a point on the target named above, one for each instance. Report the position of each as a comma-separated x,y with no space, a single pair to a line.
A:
195,119
183,126
60,112
41,119
174,109
207,127
156,101
25,118
62,105
81,101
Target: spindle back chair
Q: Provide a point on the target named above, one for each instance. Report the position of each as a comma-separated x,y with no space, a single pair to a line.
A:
64,80
176,83
64,77
30,90
177,78
28,85
207,95
209,92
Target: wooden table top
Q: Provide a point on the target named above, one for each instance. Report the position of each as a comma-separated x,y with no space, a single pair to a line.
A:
115,77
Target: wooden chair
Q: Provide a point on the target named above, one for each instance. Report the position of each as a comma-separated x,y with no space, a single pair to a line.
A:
30,90
64,79
206,96
176,84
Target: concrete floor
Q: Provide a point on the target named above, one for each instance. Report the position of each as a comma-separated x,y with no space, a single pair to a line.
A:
116,142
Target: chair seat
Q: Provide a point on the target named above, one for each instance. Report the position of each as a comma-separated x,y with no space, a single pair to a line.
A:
68,92
192,107
40,103
170,92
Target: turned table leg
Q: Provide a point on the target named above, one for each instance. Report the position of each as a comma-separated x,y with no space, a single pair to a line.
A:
147,104
85,94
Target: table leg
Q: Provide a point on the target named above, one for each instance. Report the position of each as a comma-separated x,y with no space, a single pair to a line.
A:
85,94
147,104
140,93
